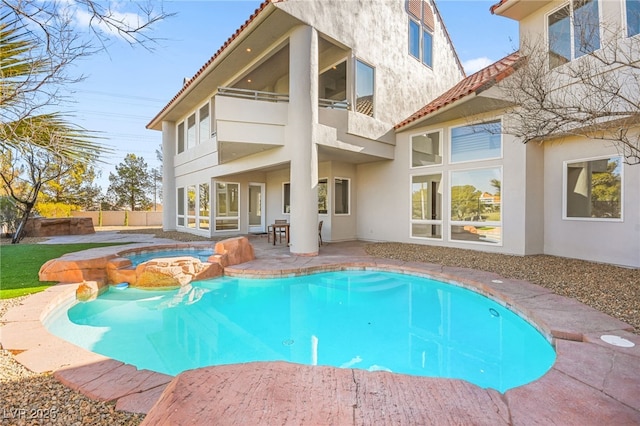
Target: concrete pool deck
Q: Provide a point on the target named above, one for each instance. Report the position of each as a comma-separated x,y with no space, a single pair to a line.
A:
591,382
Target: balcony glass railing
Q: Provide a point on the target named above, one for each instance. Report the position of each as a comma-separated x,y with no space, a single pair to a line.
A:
255,95
332,104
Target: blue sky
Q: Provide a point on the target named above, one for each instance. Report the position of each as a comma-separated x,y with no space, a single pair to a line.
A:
126,87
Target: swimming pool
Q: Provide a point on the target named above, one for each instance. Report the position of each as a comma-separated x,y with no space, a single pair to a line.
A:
202,253
360,319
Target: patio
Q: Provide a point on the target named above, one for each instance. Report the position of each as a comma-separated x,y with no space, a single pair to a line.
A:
591,382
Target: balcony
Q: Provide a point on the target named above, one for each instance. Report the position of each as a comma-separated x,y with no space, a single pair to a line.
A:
249,121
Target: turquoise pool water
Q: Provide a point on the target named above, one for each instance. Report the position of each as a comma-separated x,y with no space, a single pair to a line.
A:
200,253
360,319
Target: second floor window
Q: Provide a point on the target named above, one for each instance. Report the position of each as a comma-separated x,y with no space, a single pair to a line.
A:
573,31
633,17
421,31
365,87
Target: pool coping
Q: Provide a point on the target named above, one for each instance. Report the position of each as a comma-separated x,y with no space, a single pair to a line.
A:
590,382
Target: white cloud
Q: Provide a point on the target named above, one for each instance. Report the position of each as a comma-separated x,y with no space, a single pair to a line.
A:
124,20
476,64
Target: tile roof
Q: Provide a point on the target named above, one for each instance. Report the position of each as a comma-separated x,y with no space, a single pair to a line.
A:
497,5
475,83
235,35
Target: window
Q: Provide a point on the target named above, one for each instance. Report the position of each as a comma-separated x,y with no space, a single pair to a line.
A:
426,206
180,205
633,17
421,24
181,137
204,132
204,204
573,31
322,197
191,206
426,149
476,142
286,198
341,196
365,87
227,217
593,188
476,205
191,131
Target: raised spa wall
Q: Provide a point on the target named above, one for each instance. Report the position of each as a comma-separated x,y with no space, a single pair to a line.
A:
95,274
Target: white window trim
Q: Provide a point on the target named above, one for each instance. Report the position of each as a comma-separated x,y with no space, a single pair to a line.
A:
215,211
348,198
624,21
184,207
452,222
355,86
184,141
424,29
426,221
329,192
592,219
571,28
442,154
198,208
282,210
411,19
450,144
207,138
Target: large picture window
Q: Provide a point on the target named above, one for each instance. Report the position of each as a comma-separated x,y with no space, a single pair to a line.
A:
593,189
573,31
426,206
476,142
426,149
476,205
341,196
227,208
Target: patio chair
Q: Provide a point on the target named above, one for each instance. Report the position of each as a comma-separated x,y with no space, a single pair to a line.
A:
320,233
279,231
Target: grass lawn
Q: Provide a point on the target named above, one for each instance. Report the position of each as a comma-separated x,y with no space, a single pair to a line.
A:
20,264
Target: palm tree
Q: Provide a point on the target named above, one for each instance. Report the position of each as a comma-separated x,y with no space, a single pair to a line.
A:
23,79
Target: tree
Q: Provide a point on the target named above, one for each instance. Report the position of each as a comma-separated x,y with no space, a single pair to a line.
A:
24,171
76,187
596,95
132,183
39,43
465,202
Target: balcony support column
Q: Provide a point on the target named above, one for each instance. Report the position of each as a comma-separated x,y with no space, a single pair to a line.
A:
169,210
300,134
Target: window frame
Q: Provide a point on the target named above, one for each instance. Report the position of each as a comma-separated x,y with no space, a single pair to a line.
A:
423,29
440,132
335,204
200,138
625,19
180,137
180,207
284,184
565,194
192,217
434,222
452,222
477,123
572,25
200,217
216,209
373,89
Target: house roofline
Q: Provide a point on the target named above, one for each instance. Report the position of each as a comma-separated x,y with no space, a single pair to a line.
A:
466,89
258,15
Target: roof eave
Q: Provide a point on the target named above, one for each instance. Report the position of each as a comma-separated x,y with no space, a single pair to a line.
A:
261,13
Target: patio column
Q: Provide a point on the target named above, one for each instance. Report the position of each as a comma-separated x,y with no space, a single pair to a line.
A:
303,116
168,176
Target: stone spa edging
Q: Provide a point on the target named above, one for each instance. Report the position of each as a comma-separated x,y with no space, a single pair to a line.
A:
591,381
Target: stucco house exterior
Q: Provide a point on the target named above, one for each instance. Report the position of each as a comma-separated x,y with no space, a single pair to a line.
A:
414,152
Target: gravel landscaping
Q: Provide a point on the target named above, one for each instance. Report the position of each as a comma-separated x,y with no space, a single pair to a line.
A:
610,289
